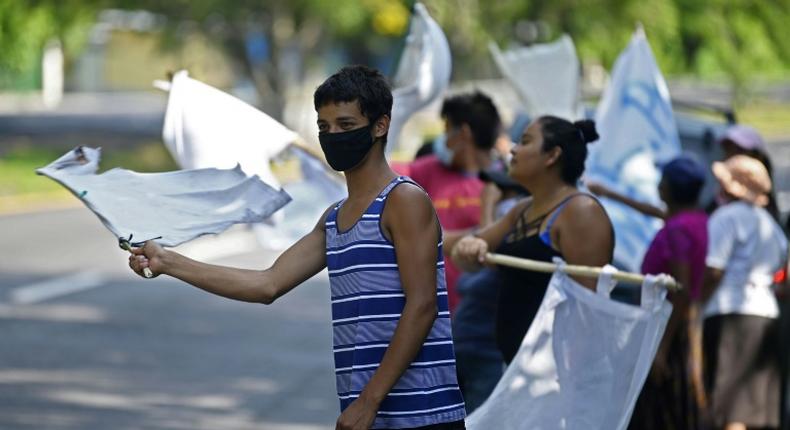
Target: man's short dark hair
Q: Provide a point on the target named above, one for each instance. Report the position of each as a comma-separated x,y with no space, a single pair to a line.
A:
478,111
363,84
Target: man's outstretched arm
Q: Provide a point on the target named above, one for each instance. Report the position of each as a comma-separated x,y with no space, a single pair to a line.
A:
296,265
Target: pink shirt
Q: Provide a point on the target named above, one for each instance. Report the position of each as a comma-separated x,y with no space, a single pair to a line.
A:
684,238
456,197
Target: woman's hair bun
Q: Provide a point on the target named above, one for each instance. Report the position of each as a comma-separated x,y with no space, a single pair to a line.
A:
587,130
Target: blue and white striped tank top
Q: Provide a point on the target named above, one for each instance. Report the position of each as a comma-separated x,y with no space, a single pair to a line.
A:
367,302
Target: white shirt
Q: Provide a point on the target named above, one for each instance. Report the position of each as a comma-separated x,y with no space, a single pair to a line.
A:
746,243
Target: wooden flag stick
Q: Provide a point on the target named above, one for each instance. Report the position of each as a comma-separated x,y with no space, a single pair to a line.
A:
586,271
125,245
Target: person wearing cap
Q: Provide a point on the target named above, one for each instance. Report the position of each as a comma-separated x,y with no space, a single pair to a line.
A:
745,248
742,139
672,396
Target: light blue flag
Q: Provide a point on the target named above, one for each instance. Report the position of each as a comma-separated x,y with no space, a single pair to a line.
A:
637,136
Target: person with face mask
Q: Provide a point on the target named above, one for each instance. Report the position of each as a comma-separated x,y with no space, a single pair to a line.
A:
450,175
393,351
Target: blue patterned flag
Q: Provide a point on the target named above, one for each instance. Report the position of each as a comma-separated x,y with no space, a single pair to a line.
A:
638,135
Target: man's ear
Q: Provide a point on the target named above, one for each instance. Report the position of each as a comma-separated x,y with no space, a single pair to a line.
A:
381,126
466,133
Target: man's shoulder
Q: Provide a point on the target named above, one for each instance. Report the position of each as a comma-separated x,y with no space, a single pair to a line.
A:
407,193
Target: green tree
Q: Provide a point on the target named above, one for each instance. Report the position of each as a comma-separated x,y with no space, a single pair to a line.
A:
736,40
25,28
302,28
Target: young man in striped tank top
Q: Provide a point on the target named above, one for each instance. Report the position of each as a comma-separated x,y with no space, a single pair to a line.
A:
394,359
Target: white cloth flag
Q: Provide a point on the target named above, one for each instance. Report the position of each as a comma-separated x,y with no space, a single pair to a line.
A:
317,190
637,135
546,76
314,172
178,206
423,72
205,127
582,363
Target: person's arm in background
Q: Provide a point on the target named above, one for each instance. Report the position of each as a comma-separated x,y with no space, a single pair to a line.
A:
681,271
411,223
711,283
645,208
677,252
469,252
451,237
296,265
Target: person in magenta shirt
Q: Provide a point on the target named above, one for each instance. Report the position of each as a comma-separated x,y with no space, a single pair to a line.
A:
671,398
450,174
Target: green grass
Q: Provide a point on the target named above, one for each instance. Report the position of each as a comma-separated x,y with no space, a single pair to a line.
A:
17,171
770,118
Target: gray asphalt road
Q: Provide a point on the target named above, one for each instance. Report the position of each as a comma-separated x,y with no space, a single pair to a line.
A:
129,353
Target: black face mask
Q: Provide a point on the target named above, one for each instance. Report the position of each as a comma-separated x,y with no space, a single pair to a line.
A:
346,150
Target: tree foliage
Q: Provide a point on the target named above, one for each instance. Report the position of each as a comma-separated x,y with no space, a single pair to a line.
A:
734,39
26,27
730,39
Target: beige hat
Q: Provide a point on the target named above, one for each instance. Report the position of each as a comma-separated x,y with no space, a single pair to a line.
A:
745,178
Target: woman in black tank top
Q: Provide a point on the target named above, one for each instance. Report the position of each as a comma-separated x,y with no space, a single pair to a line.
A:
556,221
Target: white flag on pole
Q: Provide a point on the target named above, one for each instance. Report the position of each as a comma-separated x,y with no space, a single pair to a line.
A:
205,127
637,135
423,72
176,206
546,76
582,363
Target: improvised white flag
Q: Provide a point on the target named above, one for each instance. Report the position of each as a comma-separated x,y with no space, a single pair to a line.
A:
173,206
638,134
205,127
423,72
315,173
583,361
546,76
318,189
